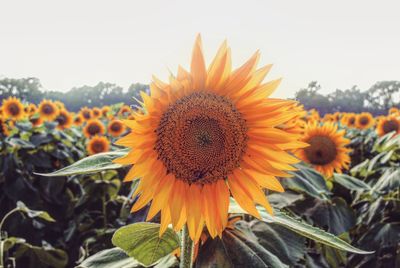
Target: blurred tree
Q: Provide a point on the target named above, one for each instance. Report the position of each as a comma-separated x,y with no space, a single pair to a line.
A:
27,89
349,100
383,95
310,98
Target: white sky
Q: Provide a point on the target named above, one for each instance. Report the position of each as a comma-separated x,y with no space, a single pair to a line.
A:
72,43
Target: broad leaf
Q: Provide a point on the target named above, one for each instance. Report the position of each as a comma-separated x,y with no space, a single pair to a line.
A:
302,228
91,164
143,242
350,182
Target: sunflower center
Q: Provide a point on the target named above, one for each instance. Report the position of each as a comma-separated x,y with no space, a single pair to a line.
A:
116,127
390,126
93,129
14,109
98,147
47,109
61,119
86,114
364,120
201,138
322,150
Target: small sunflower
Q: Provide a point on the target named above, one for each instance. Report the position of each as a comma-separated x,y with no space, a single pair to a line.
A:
78,119
36,121
96,112
64,119
364,121
388,124
124,110
86,113
349,120
329,118
394,111
60,105
116,128
48,110
327,151
13,108
3,129
208,134
98,144
30,109
93,127
105,111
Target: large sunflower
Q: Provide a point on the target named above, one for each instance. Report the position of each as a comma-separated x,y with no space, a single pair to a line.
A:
93,127
327,151
64,119
13,108
98,144
388,124
116,128
48,110
205,135
364,121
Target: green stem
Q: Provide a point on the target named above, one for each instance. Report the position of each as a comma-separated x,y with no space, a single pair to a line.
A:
1,236
186,249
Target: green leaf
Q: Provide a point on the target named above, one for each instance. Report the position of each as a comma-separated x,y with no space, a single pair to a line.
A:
109,258
350,182
307,180
302,228
91,164
41,256
142,242
34,213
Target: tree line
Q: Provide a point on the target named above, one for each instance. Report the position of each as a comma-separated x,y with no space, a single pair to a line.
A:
377,99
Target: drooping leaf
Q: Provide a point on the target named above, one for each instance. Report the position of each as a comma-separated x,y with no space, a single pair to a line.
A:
34,213
32,257
301,228
142,242
90,164
350,182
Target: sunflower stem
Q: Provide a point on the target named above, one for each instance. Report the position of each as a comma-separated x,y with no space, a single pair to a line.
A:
186,249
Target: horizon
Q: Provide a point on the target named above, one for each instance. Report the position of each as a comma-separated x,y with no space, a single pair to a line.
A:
68,45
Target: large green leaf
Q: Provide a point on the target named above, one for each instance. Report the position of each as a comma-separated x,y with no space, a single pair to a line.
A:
350,182
30,256
143,242
302,228
117,258
307,180
91,164
390,180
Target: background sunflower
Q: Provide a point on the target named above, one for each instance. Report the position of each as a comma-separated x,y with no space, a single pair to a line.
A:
13,109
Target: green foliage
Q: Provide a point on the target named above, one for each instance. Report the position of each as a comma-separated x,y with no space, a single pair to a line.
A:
143,242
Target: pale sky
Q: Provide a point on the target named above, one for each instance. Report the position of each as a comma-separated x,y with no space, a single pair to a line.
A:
73,43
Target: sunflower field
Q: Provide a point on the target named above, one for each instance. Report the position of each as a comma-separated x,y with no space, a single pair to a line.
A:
210,171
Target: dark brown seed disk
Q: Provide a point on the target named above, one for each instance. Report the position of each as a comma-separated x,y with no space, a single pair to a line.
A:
201,138
322,150
390,126
14,109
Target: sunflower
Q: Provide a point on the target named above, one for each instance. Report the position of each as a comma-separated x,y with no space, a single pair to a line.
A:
98,144
64,119
364,121
96,112
78,119
329,118
327,151
13,108
394,111
36,121
48,110
93,127
205,135
105,111
349,120
86,113
116,128
60,105
388,124
125,110
30,109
